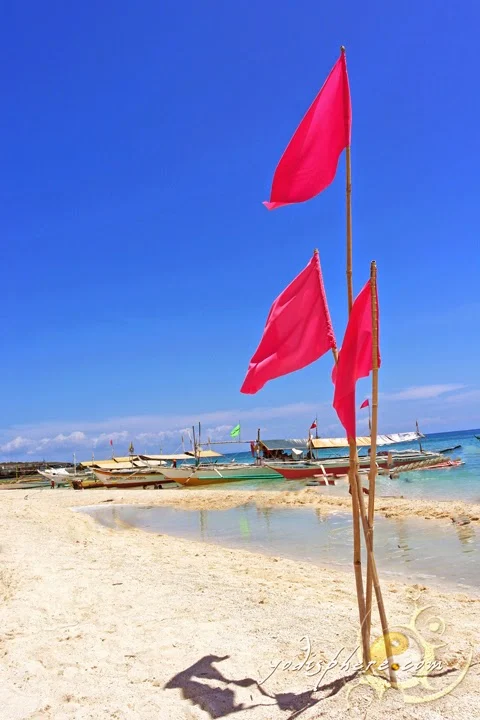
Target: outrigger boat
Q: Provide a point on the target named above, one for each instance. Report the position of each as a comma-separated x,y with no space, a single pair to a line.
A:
315,465
297,460
214,475
129,472
65,475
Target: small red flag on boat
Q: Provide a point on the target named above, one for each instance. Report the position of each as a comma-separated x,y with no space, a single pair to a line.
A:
313,425
111,443
298,330
354,359
365,404
310,161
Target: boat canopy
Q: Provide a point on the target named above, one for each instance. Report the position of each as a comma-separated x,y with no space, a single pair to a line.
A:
319,443
123,463
285,445
114,462
203,454
175,456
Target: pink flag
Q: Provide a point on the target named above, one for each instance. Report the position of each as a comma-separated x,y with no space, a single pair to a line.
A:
298,330
365,404
310,161
354,359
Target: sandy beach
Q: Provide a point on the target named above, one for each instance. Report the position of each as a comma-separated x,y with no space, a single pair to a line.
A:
101,623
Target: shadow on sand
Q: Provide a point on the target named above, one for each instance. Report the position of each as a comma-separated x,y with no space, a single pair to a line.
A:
219,701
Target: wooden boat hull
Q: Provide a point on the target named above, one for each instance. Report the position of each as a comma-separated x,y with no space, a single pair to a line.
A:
225,475
123,484
124,476
341,467
208,476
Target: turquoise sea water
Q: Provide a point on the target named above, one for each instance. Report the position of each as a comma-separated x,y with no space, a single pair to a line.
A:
462,483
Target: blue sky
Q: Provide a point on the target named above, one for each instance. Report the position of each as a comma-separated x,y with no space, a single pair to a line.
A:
138,142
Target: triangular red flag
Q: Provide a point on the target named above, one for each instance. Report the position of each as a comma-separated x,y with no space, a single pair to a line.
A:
365,404
354,359
313,425
310,160
298,330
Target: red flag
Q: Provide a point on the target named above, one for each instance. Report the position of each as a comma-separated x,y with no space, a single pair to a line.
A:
111,443
298,330
354,359
365,404
310,161
313,425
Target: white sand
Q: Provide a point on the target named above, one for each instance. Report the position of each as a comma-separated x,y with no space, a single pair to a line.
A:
96,622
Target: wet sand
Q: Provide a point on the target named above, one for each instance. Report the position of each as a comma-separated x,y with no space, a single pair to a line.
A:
98,623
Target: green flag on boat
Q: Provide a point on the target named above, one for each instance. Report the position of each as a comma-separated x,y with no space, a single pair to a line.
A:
235,432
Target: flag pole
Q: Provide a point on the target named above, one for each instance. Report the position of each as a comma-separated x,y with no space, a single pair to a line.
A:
376,583
367,517
352,476
373,441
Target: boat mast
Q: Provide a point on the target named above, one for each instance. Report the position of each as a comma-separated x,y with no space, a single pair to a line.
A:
194,445
419,436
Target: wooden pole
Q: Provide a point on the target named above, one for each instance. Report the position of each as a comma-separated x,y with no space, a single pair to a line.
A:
357,553
373,444
194,445
349,228
376,582
419,433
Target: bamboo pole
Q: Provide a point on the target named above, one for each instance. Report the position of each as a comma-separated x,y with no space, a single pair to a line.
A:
357,551
349,228
376,582
373,445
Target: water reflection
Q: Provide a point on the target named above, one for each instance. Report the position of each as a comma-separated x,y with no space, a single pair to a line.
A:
467,537
413,548
203,523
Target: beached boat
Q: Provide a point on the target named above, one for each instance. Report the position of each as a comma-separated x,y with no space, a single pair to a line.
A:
339,466
131,471
105,475
214,475
287,458
63,475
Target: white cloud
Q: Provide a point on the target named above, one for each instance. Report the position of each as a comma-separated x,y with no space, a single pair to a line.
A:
104,438
58,440
18,443
61,440
465,397
146,432
422,392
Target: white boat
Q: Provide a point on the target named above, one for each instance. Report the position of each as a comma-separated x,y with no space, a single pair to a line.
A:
63,474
